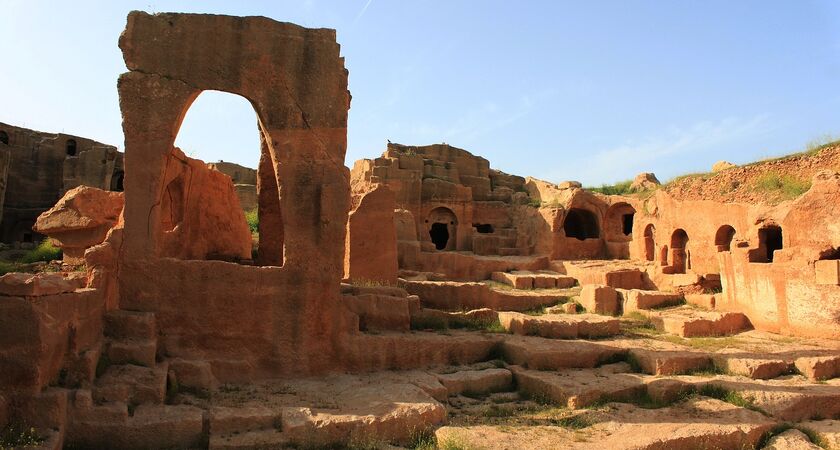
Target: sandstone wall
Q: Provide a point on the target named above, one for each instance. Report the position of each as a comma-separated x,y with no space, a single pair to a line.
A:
782,295
276,320
42,166
372,239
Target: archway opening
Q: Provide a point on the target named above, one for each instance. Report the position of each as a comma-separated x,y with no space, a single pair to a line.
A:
679,252
70,147
443,228
769,240
581,224
723,238
223,130
650,242
4,137
618,225
439,232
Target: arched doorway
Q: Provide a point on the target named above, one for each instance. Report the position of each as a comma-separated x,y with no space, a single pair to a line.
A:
215,124
723,238
581,224
679,251
443,228
70,147
650,242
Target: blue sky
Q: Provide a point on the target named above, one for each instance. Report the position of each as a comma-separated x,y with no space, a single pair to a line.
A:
591,91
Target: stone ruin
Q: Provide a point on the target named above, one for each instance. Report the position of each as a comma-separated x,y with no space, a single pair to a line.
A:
37,168
421,299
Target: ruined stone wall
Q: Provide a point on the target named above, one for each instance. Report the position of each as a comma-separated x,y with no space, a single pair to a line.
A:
42,167
783,294
445,185
242,319
244,180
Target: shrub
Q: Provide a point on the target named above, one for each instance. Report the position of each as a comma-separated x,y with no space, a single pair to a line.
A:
44,252
786,186
620,188
253,219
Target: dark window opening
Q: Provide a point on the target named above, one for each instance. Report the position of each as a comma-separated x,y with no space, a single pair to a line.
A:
833,253
71,147
723,238
581,224
439,234
483,227
650,242
627,224
770,240
4,138
27,237
679,255
117,182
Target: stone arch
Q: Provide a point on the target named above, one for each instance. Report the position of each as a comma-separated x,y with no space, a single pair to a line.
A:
4,137
723,238
679,251
301,110
650,242
619,222
267,246
442,227
581,224
70,147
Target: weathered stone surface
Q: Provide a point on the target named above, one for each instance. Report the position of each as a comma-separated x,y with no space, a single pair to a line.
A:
36,285
819,367
636,299
721,166
688,322
559,326
477,381
757,367
80,220
599,299
644,182
371,238
670,362
547,354
579,388
792,439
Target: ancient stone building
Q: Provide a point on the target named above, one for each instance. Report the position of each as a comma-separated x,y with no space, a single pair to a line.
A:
37,168
244,180
480,310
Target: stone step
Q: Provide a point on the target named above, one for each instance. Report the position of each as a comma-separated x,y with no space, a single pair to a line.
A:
689,322
550,354
637,299
828,431
507,251
150,426
140,352
477,382
578,388
132,384
791,439
819,367
699,423
560,326
670,362
757,367
250,440
543,279
121,324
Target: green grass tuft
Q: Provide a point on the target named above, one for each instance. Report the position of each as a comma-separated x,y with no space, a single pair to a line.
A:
620,188
45,251
19,436
787,187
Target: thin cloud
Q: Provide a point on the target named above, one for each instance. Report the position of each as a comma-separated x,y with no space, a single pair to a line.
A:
362,12
662,151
